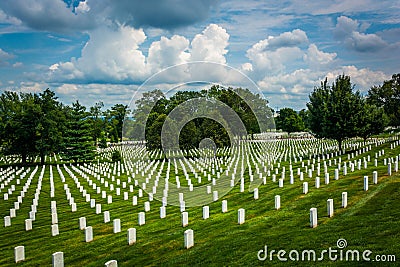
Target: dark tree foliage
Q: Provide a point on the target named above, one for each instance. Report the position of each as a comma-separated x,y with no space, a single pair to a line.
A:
372,120
79,145
387,96
153,108
31,124
289,121
335,110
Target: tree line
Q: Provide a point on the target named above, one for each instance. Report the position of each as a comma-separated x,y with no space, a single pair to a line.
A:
34,125
153,109
37,124
339,112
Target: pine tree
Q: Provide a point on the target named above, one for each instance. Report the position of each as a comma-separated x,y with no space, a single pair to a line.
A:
78,142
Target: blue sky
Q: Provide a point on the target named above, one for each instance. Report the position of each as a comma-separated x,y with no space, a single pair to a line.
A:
104,50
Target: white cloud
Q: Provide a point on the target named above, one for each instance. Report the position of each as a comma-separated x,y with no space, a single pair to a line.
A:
67,89
168,52
83,7
7,19
109,55
48,15
210,45
363,78
4,57
270,55
115,55
349,32
317,59
287,39
32,87
17,64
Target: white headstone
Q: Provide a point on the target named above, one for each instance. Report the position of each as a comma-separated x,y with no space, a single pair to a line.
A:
277,202
163,212
54,230
54,218
19,253
255,192
131,236
146,206
88,234
82,223
313,218
206,212
134,200
224,205
106,216
58,259
182,206
7,221
98,208
365,183
241,216
215,195
326,178
28,224
116,226
189,238
317,182
281,182
375,177
305,188
330,210
344,199
111,263
141,218
185,219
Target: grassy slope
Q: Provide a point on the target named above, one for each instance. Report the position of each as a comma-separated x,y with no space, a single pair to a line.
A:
369,222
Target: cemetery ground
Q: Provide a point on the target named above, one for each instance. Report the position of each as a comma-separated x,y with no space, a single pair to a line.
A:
369,222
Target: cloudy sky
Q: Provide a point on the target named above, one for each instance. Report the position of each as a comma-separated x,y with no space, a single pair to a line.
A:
104,50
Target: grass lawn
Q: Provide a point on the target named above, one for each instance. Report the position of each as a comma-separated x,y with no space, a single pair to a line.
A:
370,222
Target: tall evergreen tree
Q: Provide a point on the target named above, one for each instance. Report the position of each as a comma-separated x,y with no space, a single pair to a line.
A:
51,125
79,145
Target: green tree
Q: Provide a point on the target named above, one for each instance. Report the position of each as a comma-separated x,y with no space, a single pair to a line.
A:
289,121
372,120
97,122
51,125
79,145
304,115
388,97
335,110
118,113
20,119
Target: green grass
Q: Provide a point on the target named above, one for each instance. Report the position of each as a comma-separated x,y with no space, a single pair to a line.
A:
369,222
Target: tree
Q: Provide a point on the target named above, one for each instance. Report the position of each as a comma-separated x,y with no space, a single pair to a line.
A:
388,97
20,119
97,122
153,108
304,115
79,145
335,110
118,113
372,120
289,121
51,125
